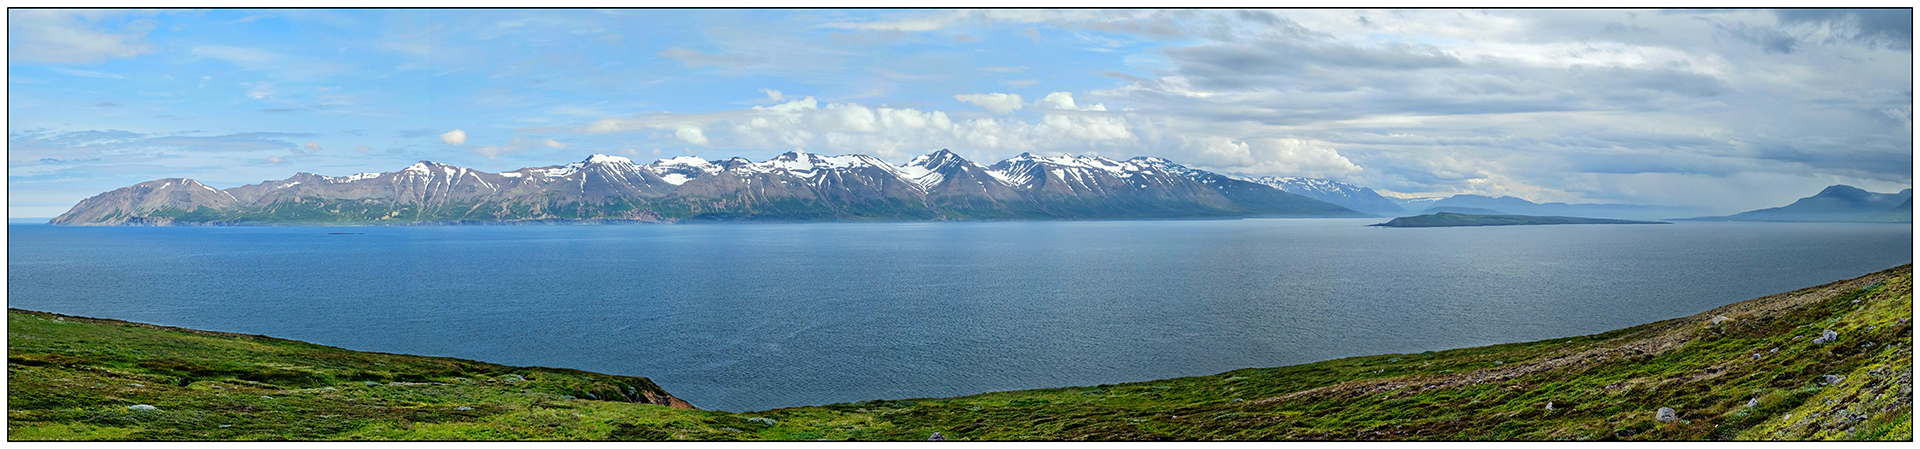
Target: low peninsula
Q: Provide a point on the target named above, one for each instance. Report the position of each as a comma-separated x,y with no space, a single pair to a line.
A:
1449,219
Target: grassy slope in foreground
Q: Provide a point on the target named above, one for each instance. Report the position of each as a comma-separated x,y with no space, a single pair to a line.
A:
73,378
1444,219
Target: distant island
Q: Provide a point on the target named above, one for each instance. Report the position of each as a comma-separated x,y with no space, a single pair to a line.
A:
1448,219
795,186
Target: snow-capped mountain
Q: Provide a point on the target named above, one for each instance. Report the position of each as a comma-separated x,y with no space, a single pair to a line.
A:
1417,204
792,186
1354,197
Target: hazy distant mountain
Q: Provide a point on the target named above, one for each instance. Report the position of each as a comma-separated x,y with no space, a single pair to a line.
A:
791,186
1837,203
1416,204
1511,205
1346,195
1462,210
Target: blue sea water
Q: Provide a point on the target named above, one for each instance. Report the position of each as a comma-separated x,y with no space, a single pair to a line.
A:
745,317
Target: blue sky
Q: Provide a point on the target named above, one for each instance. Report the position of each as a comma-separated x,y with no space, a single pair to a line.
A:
1722,110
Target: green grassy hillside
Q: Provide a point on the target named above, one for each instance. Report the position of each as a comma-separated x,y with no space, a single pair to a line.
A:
1755,370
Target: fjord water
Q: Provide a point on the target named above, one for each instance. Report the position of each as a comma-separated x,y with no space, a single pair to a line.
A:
754,316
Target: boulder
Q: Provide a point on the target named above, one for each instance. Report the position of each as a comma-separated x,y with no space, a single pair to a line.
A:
1832,379
1827,336
143,408
1666,414
937,437
1717,319
1751,402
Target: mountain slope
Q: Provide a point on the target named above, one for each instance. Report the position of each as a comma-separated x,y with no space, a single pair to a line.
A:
792,186
1837,203
1350,196
1261,199
1752,370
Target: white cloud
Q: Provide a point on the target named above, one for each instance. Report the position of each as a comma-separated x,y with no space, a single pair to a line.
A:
454,137
550,143
72,37
313,147
882,131
1064,101
996,103
362,148
1269,156
1020,83
774,95
691,135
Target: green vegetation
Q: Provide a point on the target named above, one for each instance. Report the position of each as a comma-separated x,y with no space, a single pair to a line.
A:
75,379
1444,219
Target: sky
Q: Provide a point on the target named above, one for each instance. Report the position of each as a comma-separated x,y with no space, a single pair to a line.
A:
1719,110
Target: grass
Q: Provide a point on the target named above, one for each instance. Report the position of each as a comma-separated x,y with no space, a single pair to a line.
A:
73,378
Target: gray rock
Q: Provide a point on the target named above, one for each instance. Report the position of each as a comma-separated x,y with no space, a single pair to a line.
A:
462,408
1832,379
769,422
1549,405
1827,336
937,437
1666,414
143,408
1751,402
1717,319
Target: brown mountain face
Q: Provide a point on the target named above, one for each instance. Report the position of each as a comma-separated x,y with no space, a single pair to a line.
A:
791,186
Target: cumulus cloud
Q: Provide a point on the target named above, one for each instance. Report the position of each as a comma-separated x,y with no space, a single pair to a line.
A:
995,103
454,137
313,147
848,127
691,135
73,36
1269,156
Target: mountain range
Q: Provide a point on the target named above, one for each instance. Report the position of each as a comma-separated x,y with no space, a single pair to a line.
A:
1837,203
794,186
1510,205
1350,196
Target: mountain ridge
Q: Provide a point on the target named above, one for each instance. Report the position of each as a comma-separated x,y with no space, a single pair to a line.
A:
793,186
1836,203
